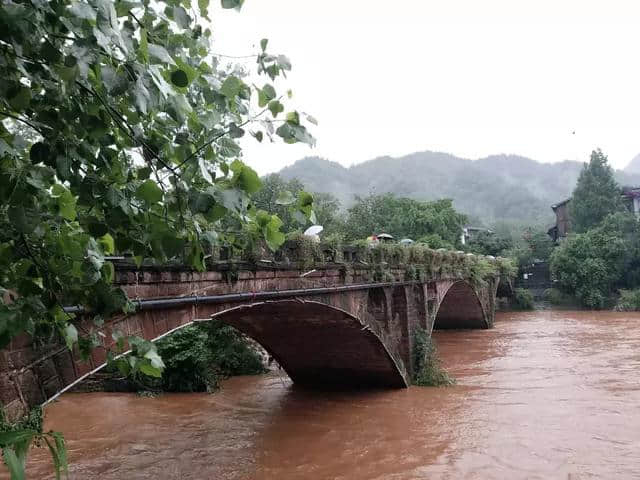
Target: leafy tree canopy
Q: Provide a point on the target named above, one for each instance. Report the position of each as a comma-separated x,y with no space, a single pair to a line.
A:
404,217
594,264
596,194
278,195
489,243
119,133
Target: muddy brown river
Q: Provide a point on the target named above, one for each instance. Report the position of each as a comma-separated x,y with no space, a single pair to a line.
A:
543,395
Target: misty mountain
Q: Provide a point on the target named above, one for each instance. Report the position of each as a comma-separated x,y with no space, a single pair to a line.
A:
498,187
633,166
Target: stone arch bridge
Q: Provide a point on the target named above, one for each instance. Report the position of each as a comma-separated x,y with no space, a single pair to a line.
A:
330,325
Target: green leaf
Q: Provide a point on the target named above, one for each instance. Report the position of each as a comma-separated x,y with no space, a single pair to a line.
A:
118,337
159,81
247,179
203,5
70,335
155,359
15,466
83,10
179,78
191,72
144,173
293,117
108,272
196,256
172,245
292,133
231,87
62,451
123,7
232,4
148,369
107,243
20,98
19,436
101,39
265,95
66,202
285,197
22,220
263,44
283,62
58,453
258,135
149,192
96,227
144,46
275,107
141,96
39,153
263,218
204,170
235,131
272,234
305,199
50,53
216,212
181,17
160,53
300,217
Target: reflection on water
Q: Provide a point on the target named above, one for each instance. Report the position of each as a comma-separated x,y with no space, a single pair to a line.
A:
542,395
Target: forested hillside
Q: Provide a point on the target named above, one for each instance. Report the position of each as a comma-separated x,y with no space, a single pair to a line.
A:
498,187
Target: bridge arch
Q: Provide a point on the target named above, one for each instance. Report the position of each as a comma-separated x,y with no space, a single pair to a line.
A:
317,344
504,287
460,308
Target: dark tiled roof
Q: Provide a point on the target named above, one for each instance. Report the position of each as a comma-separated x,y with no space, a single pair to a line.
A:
559,204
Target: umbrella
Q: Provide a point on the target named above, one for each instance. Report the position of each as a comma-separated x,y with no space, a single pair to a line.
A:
313,230
406,241
385,236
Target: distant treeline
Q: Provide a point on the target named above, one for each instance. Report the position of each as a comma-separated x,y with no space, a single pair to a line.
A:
491,190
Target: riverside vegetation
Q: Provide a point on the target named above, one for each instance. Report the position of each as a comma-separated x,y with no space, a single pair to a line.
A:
119,133
427,367
602,257
197,357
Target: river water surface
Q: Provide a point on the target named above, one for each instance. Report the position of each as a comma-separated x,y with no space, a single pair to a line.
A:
543,395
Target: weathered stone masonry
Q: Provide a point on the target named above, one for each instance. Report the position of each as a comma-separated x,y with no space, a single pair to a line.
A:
362,335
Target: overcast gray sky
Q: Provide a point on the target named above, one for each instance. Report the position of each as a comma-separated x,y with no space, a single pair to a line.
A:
468,77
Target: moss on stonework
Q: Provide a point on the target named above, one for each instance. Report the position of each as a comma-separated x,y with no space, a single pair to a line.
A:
419,262
428,371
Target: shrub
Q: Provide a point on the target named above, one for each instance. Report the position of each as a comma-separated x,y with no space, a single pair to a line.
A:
479,269
428,371
435,241
507,267
557,297
595,264
522,299
31,421
197,357
232,353
629,301
309,252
